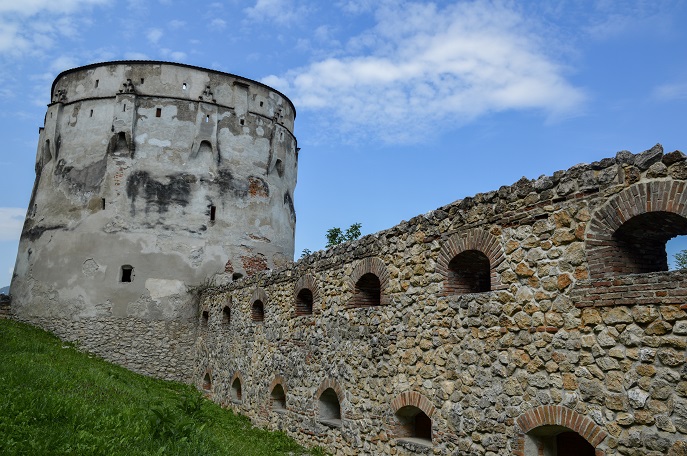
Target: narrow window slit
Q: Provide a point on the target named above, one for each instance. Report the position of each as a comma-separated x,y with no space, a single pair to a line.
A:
97,81
102,201
213,213
127,275
158,112
91,113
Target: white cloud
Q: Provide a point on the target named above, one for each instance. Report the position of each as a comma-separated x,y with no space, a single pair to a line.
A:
62,63
31,28
358,6
620,18
670,92
177,56
10,39
176,24
421,68
11,222
218,24
154,35
31,7
278,11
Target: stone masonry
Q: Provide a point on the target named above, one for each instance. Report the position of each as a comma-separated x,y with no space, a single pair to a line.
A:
537,319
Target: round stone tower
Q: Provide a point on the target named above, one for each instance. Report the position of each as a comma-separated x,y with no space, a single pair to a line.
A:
151,177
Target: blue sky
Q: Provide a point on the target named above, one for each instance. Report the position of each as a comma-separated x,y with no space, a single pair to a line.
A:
403,106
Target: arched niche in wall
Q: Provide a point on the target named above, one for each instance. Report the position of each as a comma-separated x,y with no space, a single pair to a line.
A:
226,313
236,388
204,151
207,381
306,293
46,154
204,317
468,262
121,144
554,430
628,234
328,399
258,303
413,418
368,283
278,394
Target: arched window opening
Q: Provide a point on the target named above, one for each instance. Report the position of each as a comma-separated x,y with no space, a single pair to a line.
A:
553,440
304,302
674,249
257,311
226,315
121,146
469,272
414,425
204,151
236,394
639,245
367,291
207,382
330,409
204,318
278,398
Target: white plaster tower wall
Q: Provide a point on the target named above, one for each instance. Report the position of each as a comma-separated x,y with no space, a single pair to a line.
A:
150,177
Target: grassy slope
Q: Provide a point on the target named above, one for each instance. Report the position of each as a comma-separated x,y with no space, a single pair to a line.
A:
57,400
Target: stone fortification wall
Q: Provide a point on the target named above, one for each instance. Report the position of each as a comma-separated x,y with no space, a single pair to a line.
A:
538,319
151,176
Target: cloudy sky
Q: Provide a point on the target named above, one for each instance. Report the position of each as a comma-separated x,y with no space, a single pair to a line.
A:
403,106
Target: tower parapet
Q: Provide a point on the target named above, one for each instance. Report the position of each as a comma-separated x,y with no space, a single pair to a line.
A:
150,177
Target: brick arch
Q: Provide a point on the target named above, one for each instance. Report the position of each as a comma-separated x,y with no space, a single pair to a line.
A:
306,281
370,265
557,415
325,385
415,399
330,383
646,204
278,380
473,239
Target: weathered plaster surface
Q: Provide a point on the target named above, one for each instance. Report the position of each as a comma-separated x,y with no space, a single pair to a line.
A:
133,161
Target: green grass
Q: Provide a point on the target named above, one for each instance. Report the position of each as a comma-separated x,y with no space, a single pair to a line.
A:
55,400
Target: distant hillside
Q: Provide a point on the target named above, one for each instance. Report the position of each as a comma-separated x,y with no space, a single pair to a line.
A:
5,290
